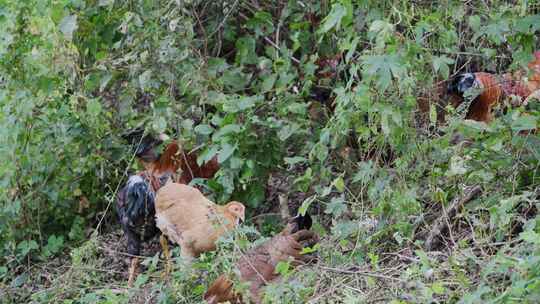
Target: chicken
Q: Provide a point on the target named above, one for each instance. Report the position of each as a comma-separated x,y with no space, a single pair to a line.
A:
493,88
189,219
135,201
258,265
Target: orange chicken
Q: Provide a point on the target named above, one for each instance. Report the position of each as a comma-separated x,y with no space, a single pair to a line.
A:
258,265
493,88
189,219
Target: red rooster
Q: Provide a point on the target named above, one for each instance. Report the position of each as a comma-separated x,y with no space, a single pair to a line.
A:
493,88
135,201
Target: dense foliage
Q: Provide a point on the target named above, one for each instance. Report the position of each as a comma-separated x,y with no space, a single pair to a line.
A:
341,99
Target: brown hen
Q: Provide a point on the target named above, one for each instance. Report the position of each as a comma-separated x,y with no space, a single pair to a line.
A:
257,266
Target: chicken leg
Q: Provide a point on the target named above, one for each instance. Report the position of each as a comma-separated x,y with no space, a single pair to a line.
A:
165,246
133,269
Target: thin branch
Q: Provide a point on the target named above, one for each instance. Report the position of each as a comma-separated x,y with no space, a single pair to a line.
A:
439,224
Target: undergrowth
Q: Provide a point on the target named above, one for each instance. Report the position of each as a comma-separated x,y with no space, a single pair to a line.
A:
338,106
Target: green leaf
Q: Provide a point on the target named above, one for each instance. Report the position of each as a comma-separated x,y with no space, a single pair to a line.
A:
159,124
145,79
309,250
245,51
25,247
226,151
382,31
287,131
382,68
524,122
291,161
458,166
204,129
530,236
336,207
305,205
242,103
365,172
475,22
3,271
141,280
438,288
283,268
268,83
207,155
106,2
440,65
68,25
93,107
333,19
54,245
339,183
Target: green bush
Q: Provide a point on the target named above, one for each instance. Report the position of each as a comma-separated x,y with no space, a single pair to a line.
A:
329,94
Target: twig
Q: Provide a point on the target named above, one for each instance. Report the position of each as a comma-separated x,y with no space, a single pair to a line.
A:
440,223
364,273
272,43
284,207
224,20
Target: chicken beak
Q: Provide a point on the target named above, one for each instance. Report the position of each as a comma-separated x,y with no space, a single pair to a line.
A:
241,219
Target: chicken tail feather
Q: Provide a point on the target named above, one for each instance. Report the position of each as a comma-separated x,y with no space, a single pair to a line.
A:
301,222
220,291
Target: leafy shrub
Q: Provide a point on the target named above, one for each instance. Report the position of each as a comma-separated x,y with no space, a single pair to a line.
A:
341,97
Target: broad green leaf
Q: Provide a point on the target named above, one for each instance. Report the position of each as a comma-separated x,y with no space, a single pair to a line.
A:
283,268
26,246
440,65
93,107
365,172
336,207
242,103
334,18
308,250
159,124
382,31
475,22
207,155
524,122
268,83
226,151
68,25
245,51
235,80
54,244
141,280
287,131
204,129
382,68
530,237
